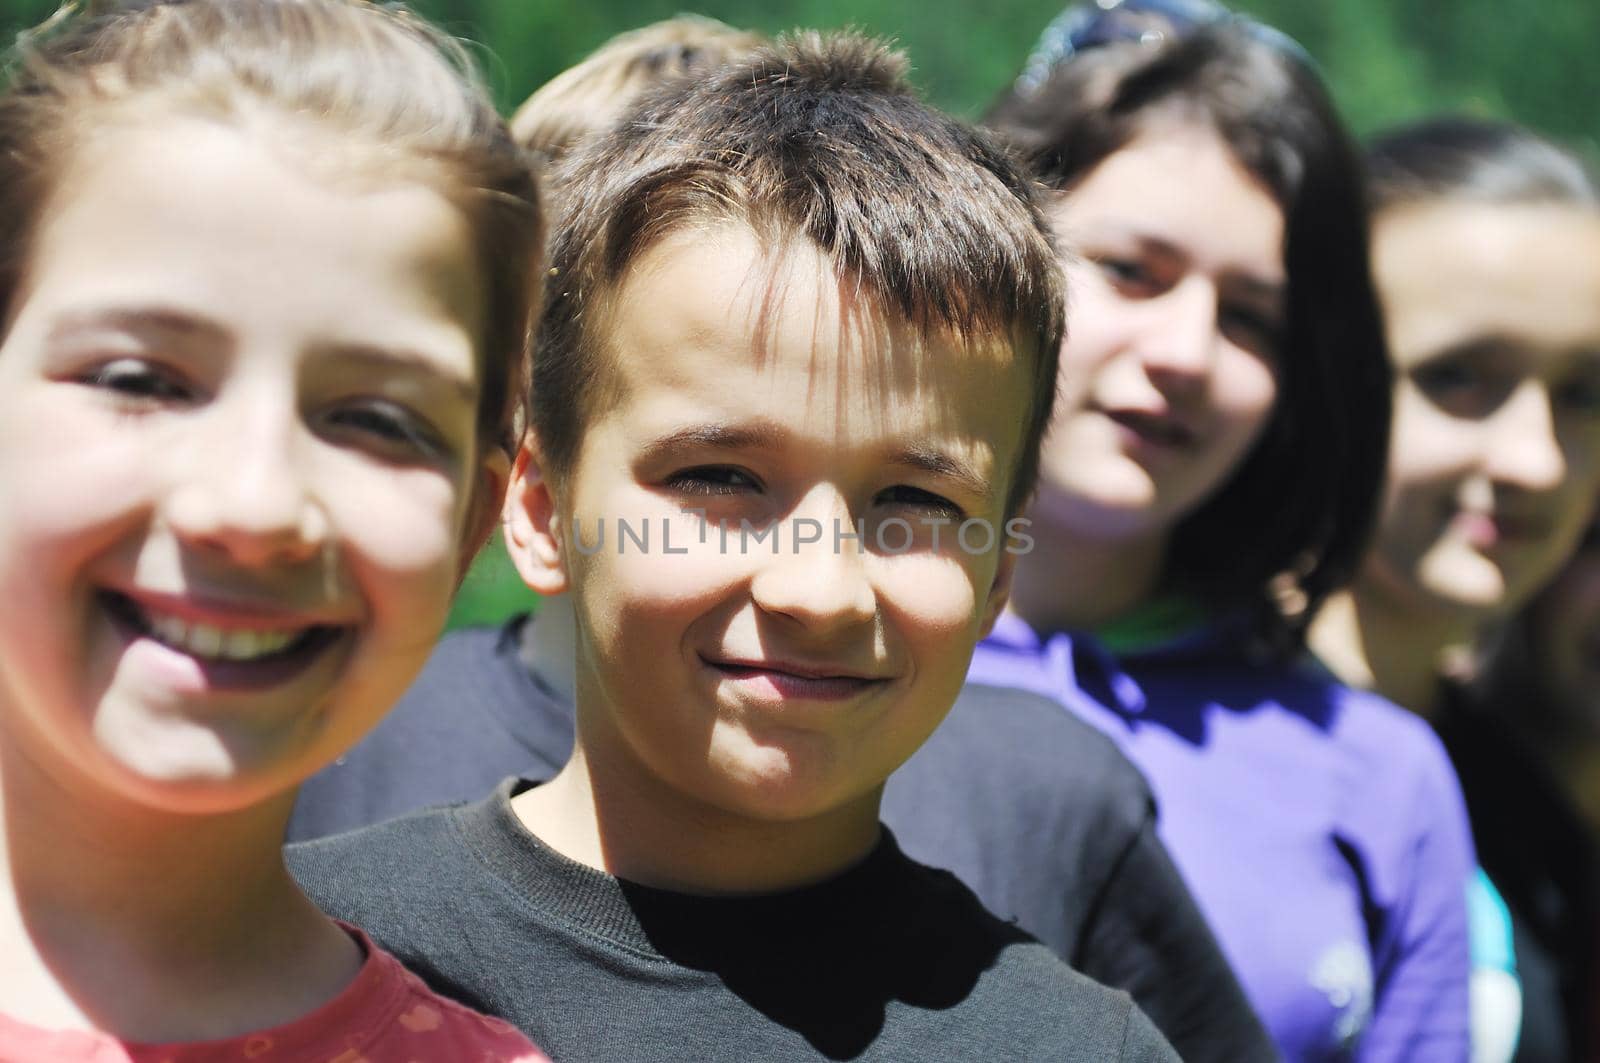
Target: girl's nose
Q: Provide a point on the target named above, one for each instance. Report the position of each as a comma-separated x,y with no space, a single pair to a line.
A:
245,488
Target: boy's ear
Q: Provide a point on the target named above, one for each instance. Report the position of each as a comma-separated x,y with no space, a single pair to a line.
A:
488,493
533,523
999,590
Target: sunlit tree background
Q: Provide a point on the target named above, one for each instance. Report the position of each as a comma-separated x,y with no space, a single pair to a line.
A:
1388,61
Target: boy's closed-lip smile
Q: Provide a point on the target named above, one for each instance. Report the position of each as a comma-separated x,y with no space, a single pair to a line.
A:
785,680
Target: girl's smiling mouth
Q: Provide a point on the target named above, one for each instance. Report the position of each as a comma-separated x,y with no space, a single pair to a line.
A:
1163,431
231,652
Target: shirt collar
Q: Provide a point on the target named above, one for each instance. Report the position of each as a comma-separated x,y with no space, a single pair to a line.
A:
1079,666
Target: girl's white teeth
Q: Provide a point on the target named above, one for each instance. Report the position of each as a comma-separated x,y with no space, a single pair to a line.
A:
203,640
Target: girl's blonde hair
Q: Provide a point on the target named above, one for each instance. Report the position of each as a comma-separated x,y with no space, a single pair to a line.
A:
396,98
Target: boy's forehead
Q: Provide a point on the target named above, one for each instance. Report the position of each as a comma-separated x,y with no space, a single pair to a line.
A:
722,294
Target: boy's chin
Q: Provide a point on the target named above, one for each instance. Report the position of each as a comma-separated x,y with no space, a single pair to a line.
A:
782,786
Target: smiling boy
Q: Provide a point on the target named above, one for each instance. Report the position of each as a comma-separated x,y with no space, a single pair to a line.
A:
803,330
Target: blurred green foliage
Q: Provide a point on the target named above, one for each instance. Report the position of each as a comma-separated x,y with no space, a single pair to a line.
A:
492,590
1388,61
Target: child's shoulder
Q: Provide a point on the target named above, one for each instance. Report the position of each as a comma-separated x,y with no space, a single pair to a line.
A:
424,833
385,1015
1035,738
368,875
1358,722
418,1023
1012,772
1022,1000
1386,737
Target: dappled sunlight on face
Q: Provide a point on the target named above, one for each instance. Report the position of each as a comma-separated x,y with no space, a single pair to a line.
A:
792,673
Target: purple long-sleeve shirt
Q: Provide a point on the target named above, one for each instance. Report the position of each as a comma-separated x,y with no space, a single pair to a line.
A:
1321,829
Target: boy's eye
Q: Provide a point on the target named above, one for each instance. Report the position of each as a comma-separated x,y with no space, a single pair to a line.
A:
906,495
712,480
135,378
393,428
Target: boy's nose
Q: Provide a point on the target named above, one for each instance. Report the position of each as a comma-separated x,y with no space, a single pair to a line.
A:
818,577
1522,449
245,491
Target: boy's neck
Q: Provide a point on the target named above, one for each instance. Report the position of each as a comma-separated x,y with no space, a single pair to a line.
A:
1072,582
632,825
154,927
1370,643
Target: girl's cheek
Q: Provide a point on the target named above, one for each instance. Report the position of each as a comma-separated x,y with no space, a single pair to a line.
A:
1426,445
400,520
76,498
1246,389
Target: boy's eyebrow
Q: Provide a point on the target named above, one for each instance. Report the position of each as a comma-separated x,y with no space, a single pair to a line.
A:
930,459
754,436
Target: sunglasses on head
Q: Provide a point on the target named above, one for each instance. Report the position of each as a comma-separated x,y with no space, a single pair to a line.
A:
1084,27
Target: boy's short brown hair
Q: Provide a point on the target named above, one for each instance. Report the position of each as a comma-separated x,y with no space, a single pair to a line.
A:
586,98
816,137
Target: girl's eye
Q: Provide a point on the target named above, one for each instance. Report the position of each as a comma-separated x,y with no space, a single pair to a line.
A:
905,495
1462,389
1581,395
393,427
712,480
1127,274
134,378
1251,330
1443,378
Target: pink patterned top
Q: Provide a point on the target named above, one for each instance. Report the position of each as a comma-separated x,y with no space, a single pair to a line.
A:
386,1015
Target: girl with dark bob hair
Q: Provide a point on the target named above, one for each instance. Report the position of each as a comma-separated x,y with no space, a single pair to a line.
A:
1486,250
1211,476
